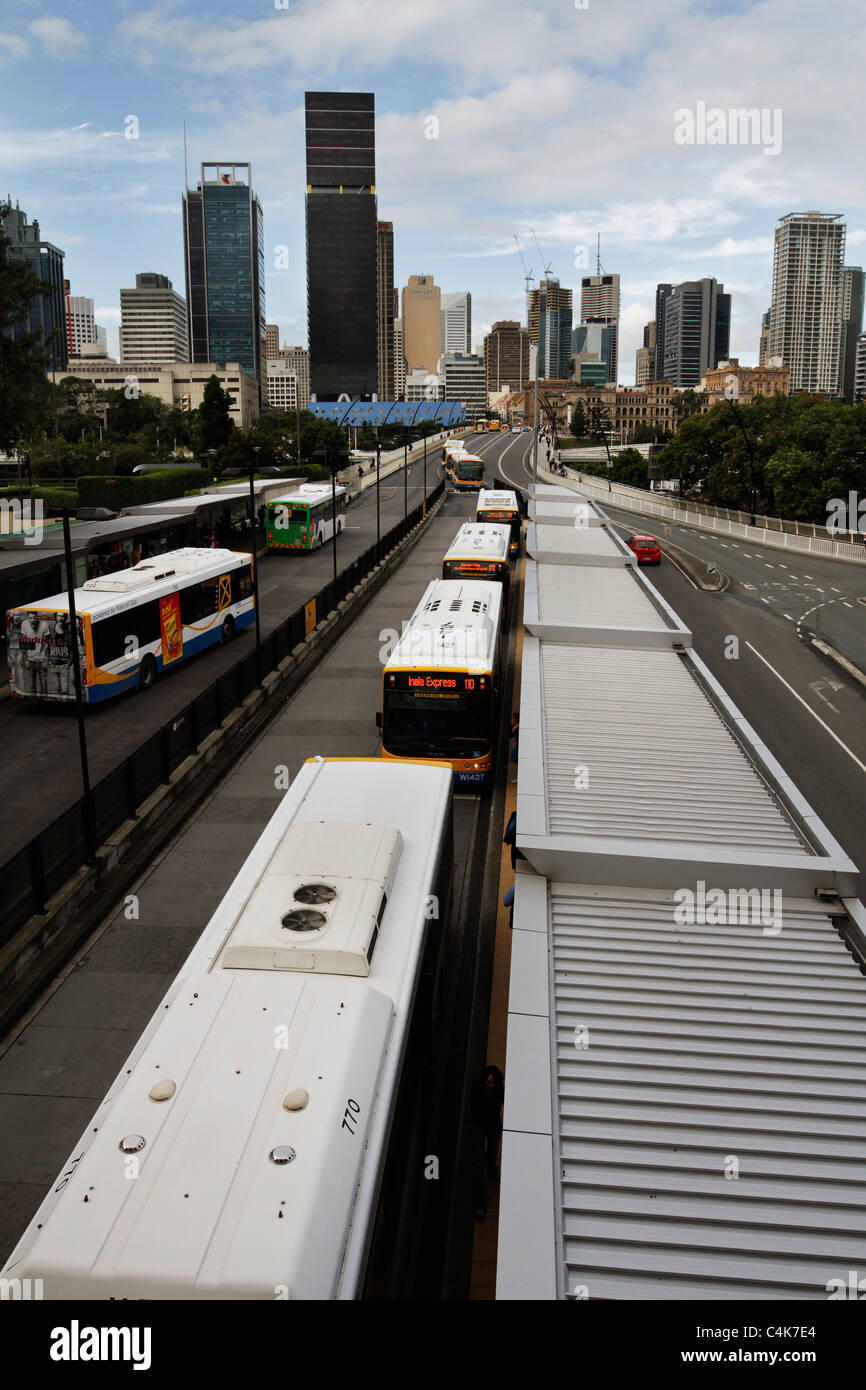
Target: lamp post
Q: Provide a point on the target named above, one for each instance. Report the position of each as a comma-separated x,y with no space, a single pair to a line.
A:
405,472
425,473
254,563
211,453
378,468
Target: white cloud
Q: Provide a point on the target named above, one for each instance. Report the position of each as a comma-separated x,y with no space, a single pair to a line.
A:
57,36
11,48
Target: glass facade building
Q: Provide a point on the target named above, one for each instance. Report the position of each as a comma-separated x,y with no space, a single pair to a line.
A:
48,309
225,269
342,237
694,331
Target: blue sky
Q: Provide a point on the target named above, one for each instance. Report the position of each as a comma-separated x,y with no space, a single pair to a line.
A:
557,116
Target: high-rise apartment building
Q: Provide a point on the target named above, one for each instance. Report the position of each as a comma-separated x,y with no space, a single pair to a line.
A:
455,314
272,341
764,343
806,314
297,360
385,308
47,310
421,323
153,322
506,356
464,382
852,326
550,328
694,330
342,244
80,322
399,362
599,303
860,370
225,269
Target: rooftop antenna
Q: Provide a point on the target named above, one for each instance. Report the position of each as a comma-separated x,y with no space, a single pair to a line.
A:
547,267
598,265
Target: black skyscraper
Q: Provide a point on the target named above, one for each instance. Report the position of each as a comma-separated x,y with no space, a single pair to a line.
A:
341,244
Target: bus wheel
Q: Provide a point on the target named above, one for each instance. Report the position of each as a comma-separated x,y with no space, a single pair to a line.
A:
228,631
147,672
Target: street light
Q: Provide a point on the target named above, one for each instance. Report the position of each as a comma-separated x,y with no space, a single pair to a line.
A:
405,471
378,469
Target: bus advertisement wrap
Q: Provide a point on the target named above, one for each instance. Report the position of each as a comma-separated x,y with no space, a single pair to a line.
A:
39,653
170,628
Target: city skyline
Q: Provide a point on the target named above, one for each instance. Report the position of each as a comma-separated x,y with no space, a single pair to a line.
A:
467,156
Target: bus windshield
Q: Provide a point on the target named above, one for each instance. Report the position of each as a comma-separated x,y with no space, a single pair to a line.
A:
437,725
471,469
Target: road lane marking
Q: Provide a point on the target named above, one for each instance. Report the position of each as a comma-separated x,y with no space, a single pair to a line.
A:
833,735
835,591
781,566
847,605
788,616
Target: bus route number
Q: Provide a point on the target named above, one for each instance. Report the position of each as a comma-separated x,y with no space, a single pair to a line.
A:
350,1116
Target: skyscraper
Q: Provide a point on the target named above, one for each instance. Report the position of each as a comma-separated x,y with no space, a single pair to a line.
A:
399,362
455,313
764,342
385,309
806,312
342,244
48,309
153,322
421,323
695,329
662,292
551,330
506,356
225,269
599,303
645,360
860,369
80,322
852,324
272,341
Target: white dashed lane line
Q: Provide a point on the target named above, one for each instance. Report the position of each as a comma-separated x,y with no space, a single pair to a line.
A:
847,605
834,736
835,591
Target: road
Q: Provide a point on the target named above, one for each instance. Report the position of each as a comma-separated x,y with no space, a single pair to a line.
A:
809,712
40,771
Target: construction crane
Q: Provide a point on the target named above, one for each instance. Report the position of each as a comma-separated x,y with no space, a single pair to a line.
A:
538,249
527,276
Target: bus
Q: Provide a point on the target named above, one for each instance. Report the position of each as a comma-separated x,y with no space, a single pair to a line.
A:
468,473
326,936
449,453
131,624
480,552
440,686
304,520
480,427
501,505
493,424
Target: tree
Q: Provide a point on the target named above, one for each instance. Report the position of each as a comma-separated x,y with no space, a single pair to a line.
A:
630,466
213,425
22,353
578,421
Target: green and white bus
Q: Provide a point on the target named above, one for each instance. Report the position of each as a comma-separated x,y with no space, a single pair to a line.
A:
305,519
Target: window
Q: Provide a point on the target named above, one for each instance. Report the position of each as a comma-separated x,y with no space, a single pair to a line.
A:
110,635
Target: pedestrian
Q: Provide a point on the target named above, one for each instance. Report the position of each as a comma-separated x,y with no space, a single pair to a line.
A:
510,838
487,1095
360,471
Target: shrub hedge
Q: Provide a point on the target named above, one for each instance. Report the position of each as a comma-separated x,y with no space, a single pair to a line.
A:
117,493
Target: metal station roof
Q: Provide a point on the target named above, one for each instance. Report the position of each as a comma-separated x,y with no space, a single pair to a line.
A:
708,1089
576,510
444,413
608,606
576,544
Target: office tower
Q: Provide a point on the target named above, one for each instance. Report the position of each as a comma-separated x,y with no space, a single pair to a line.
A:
80,321
272,341
506,356
645,359
464,382
153,322
592,346
385,310
399,362
806,312
421,324
852,324
297,360
223,236
455,314
764,343
695,330
662,293
341,244
551,329
599,303
48,309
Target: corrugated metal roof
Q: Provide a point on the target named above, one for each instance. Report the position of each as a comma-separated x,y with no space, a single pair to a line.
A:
661,763
607,597
576,545
705,1046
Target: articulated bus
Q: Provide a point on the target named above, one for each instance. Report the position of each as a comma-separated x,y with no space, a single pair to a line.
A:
131,624
441,682
500,505
468,473
304,520
449,453
480,552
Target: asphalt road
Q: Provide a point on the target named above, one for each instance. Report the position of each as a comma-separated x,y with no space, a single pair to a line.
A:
809,712
40,770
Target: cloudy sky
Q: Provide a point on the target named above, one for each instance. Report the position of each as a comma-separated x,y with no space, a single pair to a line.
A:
561,117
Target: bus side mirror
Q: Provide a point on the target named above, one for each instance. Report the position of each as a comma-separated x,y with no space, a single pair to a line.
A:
378,719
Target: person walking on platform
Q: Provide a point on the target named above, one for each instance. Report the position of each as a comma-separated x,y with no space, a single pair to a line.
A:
488,1093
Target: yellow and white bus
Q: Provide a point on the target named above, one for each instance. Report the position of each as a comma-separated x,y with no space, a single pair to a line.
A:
131,624
480,427
440,685
480,552
468,472
498,504
493,425
450,452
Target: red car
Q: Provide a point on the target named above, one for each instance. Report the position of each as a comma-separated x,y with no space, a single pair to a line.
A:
646,548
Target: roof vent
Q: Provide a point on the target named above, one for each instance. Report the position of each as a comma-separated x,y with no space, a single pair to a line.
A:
318,905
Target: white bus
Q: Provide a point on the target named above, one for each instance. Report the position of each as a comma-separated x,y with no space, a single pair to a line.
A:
131,624
440,686
499,504
479,552
305,519
255,1112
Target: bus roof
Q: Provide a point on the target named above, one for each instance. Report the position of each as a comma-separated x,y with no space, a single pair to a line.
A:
455,626
151,578
480,541
470,458
234,1105
498,500
309,493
